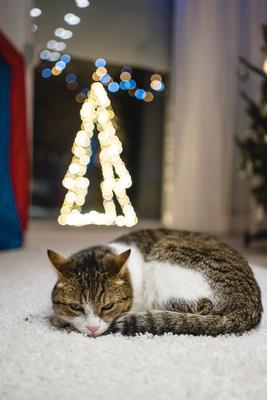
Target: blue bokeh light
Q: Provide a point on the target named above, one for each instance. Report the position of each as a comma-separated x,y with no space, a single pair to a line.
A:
162,87
140,94
127,69
84,91
132,83
113,87
100,62
46,72
105,79
70,78
125,85
61,65
66,58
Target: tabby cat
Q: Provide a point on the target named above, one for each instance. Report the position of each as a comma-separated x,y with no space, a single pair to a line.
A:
157,281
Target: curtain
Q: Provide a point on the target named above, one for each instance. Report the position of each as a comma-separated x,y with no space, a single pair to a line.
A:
202,115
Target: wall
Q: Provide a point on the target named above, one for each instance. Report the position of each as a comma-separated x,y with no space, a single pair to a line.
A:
125,32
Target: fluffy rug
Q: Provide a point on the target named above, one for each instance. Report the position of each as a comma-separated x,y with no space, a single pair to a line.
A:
40,362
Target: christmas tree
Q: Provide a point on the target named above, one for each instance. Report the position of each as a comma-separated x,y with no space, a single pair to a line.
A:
253,145
96,112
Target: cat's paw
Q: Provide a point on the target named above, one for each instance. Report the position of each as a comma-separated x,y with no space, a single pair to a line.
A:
205,306
119,325
130,324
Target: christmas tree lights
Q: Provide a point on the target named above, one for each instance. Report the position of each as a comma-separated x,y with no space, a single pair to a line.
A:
97,112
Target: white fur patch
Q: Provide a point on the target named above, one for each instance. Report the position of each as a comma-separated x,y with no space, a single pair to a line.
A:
156,282
83,321
165,281
135,267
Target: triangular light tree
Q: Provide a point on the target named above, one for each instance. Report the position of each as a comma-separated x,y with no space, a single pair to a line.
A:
96,112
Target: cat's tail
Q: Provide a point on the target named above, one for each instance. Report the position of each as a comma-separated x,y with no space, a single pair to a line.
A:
160,322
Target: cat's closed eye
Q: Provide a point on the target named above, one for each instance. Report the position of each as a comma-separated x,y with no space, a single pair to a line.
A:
75,307
108,307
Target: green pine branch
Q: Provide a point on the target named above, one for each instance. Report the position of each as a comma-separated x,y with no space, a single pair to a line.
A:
252,67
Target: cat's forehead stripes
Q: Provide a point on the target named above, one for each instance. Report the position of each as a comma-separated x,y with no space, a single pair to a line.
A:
88,308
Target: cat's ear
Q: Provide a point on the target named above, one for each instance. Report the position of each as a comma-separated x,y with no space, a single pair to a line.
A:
57,260
118,262
121,262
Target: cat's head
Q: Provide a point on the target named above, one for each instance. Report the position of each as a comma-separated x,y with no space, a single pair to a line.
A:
93,288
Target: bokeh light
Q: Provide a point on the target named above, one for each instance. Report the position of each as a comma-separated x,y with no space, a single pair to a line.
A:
82,3
100,62
131,92
125,85
72,85
54,56
127,69
70,78
140,94
84,91
125,76
51,44
106,79
79,98
34,27
148,97
66,58
35,12
72,19
156,77
63,33
96,77
60,46
156,84
54,45
132,83
97,111
101,71
45,55
113,87
56,71
162,87
46,72
60,65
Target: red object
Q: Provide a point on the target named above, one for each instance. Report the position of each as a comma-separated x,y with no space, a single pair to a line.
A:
19,146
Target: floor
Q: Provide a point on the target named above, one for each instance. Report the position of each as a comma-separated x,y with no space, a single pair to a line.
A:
40,362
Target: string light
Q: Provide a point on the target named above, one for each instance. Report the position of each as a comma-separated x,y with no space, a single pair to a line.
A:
72,19
156,84
101,74
100,62
63,33
82,3
56,71
97,111
54,56
148,97
35,12
113,87
46,72
140,94
54,45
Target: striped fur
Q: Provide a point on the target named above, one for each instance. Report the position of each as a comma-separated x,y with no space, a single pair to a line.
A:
229,301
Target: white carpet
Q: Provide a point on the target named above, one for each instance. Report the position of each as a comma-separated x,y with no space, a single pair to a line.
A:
40,362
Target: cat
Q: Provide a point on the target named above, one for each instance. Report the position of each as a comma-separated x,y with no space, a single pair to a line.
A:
157,281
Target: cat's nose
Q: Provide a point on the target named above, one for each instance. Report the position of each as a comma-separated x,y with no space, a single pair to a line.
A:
92,328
